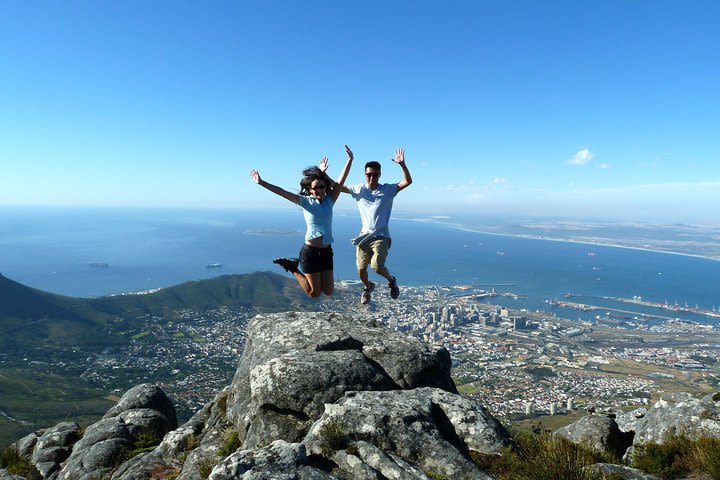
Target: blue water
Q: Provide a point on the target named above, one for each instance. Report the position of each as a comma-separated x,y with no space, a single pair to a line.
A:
52,249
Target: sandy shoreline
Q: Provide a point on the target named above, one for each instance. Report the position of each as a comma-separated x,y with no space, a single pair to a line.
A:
558,239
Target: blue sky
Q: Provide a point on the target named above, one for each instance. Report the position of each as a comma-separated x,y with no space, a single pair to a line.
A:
605,109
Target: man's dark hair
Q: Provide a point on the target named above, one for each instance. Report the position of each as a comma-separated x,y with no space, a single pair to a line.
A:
373,164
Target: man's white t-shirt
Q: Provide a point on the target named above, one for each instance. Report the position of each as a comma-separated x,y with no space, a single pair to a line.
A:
375,207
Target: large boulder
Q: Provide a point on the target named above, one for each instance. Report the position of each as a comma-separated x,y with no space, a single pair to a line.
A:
599,433
679,414
428,428
294,363
279,460
627,421
390,397
144,410
146,396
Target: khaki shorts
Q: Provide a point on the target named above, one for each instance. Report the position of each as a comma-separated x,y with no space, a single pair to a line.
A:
373,254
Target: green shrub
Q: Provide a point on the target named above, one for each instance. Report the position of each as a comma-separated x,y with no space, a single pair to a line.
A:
13,462
232,443
352,449
191,442
332,437
663,460
436,476
143,441
706,453
205,466
678,456
540,457
222,403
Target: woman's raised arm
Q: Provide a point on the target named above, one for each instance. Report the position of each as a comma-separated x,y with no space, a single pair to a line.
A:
255,177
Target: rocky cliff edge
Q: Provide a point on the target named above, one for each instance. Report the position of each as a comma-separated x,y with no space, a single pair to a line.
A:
315,396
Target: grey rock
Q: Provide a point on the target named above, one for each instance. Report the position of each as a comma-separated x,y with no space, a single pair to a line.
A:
143,466
61,435
292,389
423,427
370,462
627,473
598,433
145,420
278,461
5,475
214,430
351,466
98,450
26,445
321,355
626,421
145,396
47,468
679,414
176,445
50,454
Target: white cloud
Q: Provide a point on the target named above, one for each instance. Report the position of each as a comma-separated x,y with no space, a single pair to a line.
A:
499,180
582,157
604,165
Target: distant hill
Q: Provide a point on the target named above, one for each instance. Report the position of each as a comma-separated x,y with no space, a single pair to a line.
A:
31,317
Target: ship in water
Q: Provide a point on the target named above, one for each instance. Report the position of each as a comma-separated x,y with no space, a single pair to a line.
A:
99,265
213,265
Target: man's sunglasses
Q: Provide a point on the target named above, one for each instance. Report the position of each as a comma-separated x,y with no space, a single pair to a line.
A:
372,175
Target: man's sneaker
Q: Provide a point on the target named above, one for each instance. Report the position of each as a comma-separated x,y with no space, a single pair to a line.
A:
289,264
365,297
394,289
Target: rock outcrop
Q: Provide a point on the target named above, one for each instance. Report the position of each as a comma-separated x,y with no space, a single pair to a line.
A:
321,396
293,364
315,396
599,433
674,415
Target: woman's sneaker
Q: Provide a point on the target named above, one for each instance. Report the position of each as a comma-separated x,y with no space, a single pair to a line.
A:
289,264
365,297
394,289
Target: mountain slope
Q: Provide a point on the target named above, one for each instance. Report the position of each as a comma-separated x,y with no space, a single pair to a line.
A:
34,318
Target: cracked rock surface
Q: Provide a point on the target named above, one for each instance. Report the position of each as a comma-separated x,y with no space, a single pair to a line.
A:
295,363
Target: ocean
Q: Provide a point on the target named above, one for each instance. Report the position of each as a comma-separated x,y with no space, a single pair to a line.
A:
53,249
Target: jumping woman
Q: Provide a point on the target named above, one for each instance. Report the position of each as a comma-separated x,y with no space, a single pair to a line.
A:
318,193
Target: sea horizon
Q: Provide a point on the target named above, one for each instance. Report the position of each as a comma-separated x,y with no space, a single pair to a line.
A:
147,249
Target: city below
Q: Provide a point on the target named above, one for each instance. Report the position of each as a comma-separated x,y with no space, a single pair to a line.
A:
519,363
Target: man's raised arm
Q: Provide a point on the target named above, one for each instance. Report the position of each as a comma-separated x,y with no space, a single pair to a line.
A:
400,160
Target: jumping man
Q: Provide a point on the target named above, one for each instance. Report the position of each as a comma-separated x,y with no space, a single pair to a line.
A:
375,201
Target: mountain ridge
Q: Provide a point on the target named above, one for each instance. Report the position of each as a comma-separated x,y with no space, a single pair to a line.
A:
39,318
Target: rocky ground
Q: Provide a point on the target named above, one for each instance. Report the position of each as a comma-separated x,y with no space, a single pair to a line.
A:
322,396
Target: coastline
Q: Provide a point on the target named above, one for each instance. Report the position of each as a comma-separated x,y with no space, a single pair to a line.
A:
557,239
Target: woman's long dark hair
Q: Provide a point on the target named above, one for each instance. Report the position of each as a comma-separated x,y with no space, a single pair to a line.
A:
311,174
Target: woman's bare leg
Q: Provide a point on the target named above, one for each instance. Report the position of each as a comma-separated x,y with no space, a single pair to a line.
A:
310,282
328,282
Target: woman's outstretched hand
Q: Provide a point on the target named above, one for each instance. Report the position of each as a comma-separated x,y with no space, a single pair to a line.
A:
255,176
324,164
349,152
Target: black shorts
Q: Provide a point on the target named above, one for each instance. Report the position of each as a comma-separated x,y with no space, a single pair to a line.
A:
316,259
